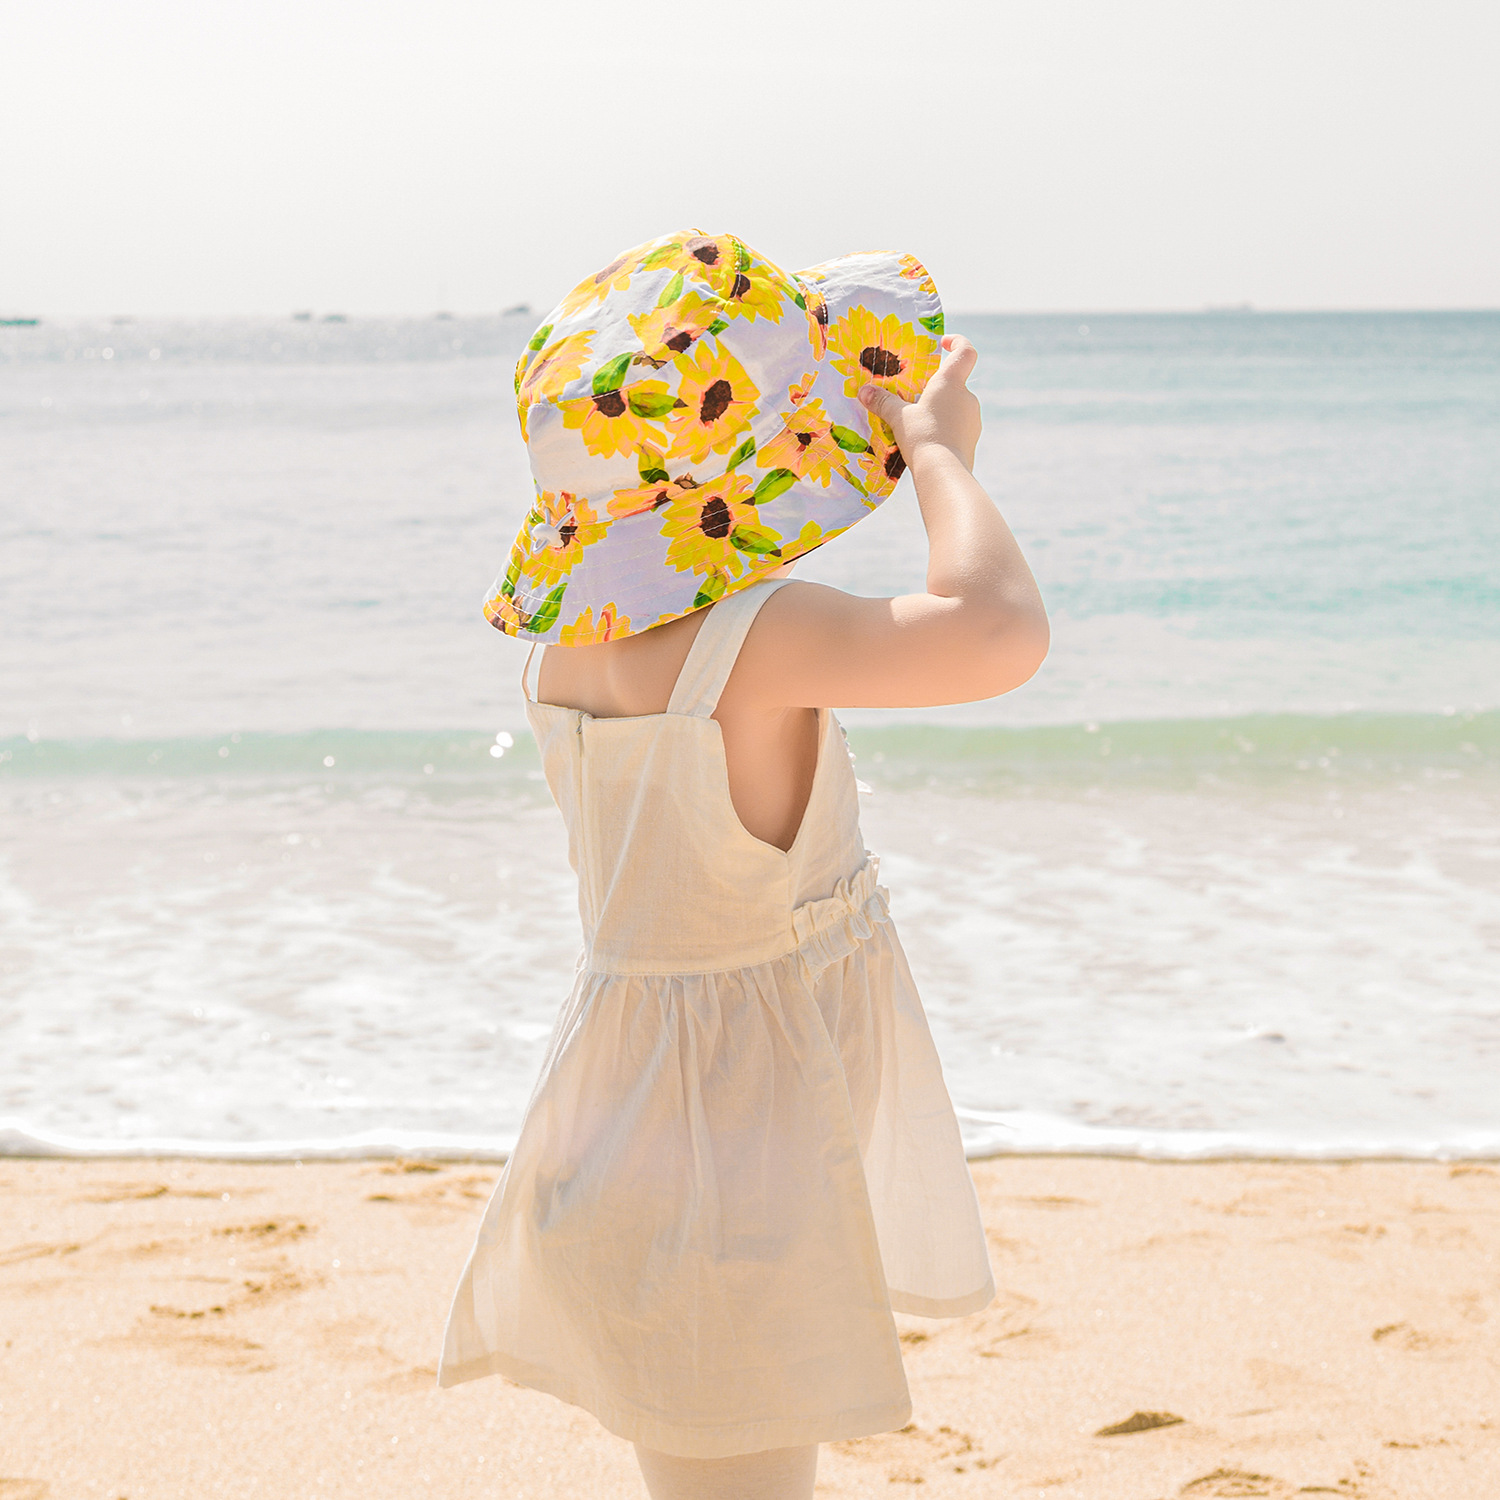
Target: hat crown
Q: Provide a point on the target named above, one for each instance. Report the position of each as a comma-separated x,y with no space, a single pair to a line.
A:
644,308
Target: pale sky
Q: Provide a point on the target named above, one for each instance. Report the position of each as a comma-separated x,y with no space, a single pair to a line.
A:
394,156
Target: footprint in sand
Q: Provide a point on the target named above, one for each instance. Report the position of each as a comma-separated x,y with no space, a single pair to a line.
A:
1404,1336
912,1454
187,1345
35,1251
1235,1484
268,1231
1007,1327
449,1192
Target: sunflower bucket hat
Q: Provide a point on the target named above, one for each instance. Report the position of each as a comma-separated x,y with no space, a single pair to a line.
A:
692,417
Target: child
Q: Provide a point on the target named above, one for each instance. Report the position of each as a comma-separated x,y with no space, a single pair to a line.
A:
740,1156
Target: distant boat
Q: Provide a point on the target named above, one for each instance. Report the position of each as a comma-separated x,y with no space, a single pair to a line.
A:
19,322
520,310
443,317
334,318
302,317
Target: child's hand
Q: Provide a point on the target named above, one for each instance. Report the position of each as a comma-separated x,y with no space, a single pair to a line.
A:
945,416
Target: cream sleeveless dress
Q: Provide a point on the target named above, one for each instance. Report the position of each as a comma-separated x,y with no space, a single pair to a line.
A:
740,1155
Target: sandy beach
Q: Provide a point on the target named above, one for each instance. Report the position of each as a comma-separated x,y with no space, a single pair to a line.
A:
177,1328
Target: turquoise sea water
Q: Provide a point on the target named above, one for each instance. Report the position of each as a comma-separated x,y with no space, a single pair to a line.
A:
1225,876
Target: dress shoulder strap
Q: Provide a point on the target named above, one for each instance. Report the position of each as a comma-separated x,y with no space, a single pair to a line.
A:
716,648
527,690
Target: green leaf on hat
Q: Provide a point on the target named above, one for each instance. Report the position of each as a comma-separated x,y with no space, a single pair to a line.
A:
717,326
546,617
611,376
653,404
777,482
661,253
800,300
849,440
740,454
540,337
713,588
671,292
652,466
934,324
756,543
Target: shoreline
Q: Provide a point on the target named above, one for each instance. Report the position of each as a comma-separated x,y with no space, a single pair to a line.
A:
1043,1137
175,1328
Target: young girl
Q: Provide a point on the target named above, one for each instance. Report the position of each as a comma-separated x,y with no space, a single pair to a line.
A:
740,1156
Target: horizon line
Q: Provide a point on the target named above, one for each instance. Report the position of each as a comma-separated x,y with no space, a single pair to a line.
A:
17,316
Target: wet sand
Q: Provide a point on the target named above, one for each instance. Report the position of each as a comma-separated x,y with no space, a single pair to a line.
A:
200,1329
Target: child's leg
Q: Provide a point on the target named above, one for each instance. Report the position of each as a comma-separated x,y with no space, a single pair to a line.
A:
776,1474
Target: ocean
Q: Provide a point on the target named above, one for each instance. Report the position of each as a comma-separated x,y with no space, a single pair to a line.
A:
279,875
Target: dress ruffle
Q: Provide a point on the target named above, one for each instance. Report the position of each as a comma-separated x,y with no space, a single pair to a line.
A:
830,929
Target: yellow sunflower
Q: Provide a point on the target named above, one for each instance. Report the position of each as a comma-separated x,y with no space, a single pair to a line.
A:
815,305
558,528
615,277
884,351
718,402
914,270
883,464
714,529
586,631
806,443
757,292
620,421
502,613
714,258
670,328
652,495
554,366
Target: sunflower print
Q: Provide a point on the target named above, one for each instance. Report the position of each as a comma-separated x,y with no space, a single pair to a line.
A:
556,530
806,443
615,277
717,259
652,495
714,529
620,421
914,270
555,365
586,631
883,464
884,351
812,535
672,327
756,292
672,364
504,614
718,402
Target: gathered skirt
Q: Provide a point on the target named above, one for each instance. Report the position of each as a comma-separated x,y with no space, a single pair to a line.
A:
724,1184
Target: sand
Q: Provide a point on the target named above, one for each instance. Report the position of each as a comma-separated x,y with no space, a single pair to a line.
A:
196,1329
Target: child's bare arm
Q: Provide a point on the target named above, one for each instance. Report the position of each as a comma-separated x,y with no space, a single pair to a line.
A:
979,630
